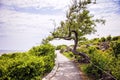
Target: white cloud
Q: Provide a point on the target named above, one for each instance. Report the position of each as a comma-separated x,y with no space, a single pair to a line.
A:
30,22
61,4
29,28
19,28
108,10
104,8
111,27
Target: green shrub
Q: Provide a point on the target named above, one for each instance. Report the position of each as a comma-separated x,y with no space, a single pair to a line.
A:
32,65
115,38
109,38
114,67
63,49
91,49
103,39
60,47
103,61
69,55
116,48
42,50
100,60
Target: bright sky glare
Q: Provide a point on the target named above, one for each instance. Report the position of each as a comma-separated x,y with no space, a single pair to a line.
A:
24,24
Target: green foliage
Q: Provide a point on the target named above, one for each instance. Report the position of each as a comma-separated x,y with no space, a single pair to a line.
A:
79,20
42,50
99,59
107,60
114,67
32,65
103,39
59,47
62,48
91,49
109,38
116,48
115,38
103,61
46,40
69,55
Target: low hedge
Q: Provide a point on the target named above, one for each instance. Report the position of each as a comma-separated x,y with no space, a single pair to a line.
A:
31,65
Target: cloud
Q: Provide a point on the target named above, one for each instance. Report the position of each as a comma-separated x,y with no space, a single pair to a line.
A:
111,27
103,7
37,3
19,28
29,21
108,10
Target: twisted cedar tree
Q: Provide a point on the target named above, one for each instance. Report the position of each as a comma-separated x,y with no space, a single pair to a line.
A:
78,23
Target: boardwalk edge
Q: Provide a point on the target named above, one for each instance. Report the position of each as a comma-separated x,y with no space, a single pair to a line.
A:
54,70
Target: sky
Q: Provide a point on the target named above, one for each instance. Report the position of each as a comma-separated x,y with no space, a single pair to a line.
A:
23,24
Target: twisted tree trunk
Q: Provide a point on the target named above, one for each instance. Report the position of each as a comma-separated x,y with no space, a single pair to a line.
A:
74,50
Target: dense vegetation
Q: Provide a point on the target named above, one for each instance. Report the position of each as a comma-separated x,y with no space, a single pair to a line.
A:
104,54
31,65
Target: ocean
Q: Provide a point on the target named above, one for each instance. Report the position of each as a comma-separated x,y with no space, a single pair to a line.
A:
9,51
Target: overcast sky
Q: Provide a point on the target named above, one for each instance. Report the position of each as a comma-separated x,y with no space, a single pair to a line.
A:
24,24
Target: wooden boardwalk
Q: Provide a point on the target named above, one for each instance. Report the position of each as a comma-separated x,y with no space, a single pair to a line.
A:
66,69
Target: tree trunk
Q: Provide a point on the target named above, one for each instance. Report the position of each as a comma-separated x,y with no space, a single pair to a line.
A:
74,50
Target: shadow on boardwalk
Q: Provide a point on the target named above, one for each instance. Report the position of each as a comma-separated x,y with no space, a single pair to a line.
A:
66,69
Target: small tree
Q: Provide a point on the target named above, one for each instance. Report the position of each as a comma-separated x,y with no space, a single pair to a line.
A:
103,39
79,23
109,38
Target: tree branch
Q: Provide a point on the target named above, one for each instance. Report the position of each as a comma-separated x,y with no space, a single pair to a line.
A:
66,38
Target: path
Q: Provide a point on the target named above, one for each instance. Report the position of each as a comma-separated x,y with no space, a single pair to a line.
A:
66,69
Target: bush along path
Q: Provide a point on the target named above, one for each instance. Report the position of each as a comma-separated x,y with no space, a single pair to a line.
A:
31,65
66,69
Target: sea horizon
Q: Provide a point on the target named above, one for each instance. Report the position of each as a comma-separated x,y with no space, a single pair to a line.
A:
10,51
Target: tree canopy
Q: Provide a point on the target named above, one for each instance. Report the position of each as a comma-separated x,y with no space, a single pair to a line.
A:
79,22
